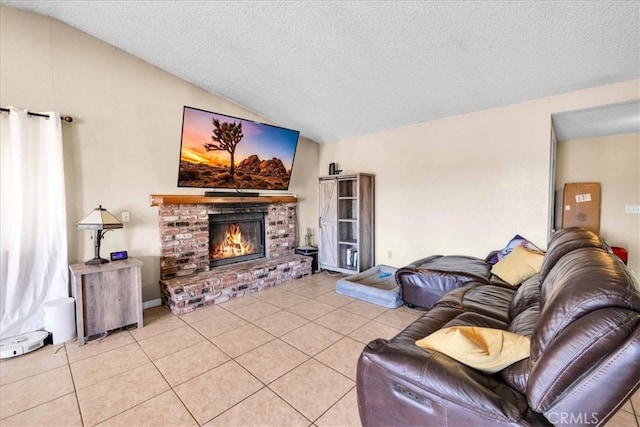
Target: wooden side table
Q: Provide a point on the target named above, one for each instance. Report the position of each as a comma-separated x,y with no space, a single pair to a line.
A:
108,296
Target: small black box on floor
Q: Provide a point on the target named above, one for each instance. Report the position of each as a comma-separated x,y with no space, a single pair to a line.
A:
313,253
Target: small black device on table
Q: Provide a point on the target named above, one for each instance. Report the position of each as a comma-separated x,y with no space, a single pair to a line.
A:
117,256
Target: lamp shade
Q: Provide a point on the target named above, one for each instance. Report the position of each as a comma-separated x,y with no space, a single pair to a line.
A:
99,219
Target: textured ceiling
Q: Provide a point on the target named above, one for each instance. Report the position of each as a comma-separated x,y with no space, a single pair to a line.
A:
335,69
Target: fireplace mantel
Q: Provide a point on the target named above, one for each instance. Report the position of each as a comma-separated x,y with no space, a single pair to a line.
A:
174,199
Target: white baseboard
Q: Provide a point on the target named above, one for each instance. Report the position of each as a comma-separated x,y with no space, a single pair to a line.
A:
152,303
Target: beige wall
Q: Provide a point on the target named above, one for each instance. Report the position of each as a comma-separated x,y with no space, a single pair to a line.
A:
124,142
614,162
463,184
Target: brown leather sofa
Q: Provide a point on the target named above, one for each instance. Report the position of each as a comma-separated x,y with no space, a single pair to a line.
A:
582,314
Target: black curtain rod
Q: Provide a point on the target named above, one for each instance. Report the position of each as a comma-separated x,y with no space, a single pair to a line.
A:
67,119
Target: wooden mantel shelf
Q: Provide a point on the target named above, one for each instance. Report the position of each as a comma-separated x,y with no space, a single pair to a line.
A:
175,199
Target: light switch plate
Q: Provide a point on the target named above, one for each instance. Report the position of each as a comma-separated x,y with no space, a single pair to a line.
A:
632,209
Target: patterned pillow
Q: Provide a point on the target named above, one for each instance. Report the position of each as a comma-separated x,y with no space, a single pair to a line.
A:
517,240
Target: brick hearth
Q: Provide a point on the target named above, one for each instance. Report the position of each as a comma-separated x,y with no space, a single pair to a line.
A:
185,294
187,282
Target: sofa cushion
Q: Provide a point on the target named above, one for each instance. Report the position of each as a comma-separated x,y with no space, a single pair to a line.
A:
496,281
524,323
575,286
470,318
436,319
454,297
517,375
566,240
493,301
517,266
527,295
486,349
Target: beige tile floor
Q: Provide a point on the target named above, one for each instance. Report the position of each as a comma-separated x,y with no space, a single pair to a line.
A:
282,357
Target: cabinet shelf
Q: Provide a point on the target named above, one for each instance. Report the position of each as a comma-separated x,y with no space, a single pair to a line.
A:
348,242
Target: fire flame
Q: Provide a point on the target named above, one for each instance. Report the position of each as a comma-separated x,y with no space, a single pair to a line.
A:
232,244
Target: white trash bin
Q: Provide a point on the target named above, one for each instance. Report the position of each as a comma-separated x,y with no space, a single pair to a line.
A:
60,319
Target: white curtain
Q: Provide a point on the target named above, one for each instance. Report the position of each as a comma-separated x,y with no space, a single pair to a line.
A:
33,225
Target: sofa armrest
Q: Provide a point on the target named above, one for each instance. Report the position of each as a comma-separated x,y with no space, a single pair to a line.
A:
435,379
423,282
413,267
450,265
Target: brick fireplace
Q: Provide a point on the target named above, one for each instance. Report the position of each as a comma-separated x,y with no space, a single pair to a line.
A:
190,280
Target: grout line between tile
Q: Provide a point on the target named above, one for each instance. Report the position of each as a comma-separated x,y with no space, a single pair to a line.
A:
175,393
152,397
171,387
254,393
55,398
75,389
636,414
193,345
40,372
334,404
321,362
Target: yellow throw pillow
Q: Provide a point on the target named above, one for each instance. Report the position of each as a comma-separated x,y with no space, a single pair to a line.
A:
485,349
518,266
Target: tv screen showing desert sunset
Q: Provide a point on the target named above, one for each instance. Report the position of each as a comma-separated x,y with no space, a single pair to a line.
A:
220,151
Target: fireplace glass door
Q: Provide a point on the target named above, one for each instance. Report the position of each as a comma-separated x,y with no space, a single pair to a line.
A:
235,237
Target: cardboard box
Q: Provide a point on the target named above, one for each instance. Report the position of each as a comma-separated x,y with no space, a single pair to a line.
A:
581,206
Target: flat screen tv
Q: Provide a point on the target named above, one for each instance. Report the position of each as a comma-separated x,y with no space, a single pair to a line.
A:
220,151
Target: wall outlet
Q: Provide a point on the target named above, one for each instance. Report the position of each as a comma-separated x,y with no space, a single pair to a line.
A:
632,209
126,216
389,254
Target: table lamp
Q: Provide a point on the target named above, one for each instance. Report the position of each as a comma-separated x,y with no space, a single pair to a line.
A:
100,220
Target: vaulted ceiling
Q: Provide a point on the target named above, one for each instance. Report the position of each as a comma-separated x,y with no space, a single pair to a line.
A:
334,69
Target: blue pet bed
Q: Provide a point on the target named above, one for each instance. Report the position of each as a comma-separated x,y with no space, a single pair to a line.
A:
376,285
